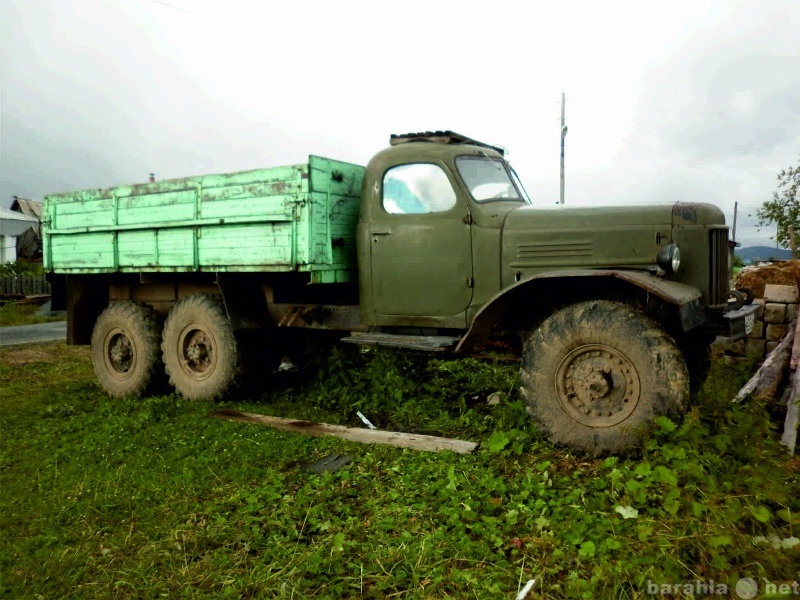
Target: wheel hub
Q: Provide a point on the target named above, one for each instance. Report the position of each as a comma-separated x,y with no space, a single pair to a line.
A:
197,352
597,385
120,353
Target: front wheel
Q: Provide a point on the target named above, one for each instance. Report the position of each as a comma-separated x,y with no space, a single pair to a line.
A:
595,375
125,349
201,355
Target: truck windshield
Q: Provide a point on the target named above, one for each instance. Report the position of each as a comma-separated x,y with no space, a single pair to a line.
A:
490,179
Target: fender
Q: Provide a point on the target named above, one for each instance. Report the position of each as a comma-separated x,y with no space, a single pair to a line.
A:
685,298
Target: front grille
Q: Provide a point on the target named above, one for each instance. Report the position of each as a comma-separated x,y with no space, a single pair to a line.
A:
719,255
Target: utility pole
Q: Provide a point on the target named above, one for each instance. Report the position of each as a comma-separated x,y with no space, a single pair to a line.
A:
732,243
563,135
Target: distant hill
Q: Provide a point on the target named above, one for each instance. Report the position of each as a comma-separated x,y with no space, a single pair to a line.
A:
752,253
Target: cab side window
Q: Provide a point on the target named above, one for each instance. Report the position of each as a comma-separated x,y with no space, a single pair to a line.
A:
417,189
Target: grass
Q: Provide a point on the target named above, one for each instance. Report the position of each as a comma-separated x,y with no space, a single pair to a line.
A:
22,313
150,498
16,313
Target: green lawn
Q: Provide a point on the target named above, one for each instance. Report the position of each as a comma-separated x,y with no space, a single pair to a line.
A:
151,498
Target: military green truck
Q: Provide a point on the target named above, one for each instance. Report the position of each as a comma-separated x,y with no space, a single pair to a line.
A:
433,246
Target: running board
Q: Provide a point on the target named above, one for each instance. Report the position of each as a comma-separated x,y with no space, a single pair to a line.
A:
427,343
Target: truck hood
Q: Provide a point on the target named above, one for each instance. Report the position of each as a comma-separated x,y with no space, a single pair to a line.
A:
588,217
626,237
593,217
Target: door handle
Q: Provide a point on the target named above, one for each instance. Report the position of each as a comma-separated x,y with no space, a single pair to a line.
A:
381,233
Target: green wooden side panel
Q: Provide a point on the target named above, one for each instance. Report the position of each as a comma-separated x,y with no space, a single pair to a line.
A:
89,252
267,246
144,209
298,217
137,248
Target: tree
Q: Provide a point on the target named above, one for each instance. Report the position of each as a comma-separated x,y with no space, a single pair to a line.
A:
784,208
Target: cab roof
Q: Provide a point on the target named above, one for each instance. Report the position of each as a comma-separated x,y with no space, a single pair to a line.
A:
441,137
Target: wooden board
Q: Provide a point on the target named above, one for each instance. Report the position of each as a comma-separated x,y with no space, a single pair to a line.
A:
399,439
428,343
795,360
767,380
789,437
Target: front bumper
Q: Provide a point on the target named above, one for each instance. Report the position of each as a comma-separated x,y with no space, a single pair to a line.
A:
733,324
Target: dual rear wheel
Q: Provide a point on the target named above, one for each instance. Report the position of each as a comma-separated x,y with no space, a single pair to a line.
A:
196,349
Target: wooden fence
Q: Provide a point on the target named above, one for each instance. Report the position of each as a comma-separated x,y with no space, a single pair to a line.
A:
23,285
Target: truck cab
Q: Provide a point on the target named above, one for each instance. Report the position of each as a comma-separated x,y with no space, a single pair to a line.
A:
430,230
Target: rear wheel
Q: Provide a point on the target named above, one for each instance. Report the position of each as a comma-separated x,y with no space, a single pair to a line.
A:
201,355
125,349
595,375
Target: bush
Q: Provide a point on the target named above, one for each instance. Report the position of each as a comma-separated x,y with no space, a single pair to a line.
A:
21,266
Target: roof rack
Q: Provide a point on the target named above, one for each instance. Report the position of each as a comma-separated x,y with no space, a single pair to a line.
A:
440,137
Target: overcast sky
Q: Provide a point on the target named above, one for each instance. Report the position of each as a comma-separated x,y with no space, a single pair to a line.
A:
696,101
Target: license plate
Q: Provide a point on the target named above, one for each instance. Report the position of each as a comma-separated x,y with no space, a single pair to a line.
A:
749,322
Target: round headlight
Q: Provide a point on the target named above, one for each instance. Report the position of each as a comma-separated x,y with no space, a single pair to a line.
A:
669,258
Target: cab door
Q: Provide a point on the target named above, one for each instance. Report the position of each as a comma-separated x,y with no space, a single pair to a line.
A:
421,247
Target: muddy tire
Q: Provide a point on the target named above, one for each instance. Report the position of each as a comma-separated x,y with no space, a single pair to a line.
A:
595,375
126,352
201,356
696,349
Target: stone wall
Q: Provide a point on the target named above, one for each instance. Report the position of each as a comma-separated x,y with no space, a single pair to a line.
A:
780,309
777,287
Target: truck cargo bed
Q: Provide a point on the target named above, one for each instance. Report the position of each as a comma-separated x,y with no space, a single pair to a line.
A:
294,218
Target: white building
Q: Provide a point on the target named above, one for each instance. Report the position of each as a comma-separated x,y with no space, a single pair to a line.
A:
12,224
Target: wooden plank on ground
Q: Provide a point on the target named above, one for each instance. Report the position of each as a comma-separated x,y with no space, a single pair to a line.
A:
428,443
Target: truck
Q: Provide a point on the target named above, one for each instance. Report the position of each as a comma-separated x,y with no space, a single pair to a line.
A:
434,246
